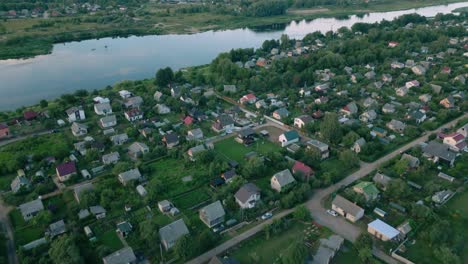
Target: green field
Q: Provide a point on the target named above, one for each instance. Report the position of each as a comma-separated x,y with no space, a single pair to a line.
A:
5,181
233,150
459,205
111,240
28,234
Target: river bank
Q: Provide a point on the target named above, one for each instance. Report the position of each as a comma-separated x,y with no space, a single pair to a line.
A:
24,38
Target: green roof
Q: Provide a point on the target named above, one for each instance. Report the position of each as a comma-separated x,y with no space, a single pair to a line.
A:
291,134
368,188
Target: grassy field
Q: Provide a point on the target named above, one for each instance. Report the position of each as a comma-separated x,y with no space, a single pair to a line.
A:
347,255
459,205
111,240
231,149
5,181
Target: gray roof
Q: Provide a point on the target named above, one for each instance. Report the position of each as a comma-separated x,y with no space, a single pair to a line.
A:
122,256
97,209
108,119
111,157
72,110
78,190
119,137
134,101
412,161
439,150
83,213
361,142
137,147
173,231
346,205
247,190
213,211
133,174
381,179
77,127
57,228
18,182
31,207
171,138
103,107
284,177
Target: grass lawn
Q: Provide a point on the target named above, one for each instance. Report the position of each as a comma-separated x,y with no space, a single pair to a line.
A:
17,219
236,151
190,199
260,250
459,205
28,234
111,240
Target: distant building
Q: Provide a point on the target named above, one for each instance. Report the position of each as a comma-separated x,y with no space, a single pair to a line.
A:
212,214
121,256
382,230
247,196
170,233
30,209
281,180
66,170
347,209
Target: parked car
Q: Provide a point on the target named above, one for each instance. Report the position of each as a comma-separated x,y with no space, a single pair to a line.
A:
267,216
331,212
218,228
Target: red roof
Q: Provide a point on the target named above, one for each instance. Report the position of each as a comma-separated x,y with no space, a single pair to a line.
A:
446,69
249,96
66,168
188,120
299,166
28,115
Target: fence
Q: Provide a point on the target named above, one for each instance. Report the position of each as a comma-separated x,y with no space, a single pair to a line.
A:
400,258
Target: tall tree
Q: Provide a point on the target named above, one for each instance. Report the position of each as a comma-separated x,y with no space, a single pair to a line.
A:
64,250
330,128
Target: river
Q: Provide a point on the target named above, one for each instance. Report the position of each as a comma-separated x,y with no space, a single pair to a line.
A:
94,64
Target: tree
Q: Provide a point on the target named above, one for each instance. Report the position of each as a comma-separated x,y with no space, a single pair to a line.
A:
44,104
63,250
149,232
349,159
401,166
445,255
350,138
254,168
164,77
364,246
43,218
330,128
302,213
185,247
397,189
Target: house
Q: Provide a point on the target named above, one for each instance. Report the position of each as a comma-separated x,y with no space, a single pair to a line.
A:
137,149
4,131
30,115
305,91
223,123
321,100
368,116
212,214
393,44
302,121
141,190
367,189
192,152
229,175
413,162
404,228
157,96
280,113
246,136
75,114
397,65
418,70
388,108
111,158
146,132
302,171
387,78
176,91
119,139
261,104
382,230
108,121
195,134
378,132
165,206
30,209
124,94
347,209
439,152
20,182
350,109
163,109
370,75
65,170
436,88
358,144
446,70
248,98
171,140
369,102
247,196
381,180
56,228
133,114
282,180
79,190
396,126
288,138
327,249
456,141
103,108
128,176
121,256
411,84
170,233
98,211
229,88
442,196
448,102
124,228
425,98
322,87
402,91
188,120
320,146
100,100
79,129
133,102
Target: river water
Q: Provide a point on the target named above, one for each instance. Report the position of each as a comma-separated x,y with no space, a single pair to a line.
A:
91,65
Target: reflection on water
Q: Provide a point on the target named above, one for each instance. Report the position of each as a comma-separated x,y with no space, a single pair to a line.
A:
94,64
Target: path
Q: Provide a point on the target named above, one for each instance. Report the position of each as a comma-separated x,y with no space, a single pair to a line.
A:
11,140
5,222
315,205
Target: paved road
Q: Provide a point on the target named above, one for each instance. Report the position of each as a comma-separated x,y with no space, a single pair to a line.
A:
315,205
5,222
205,257
11,140
338,224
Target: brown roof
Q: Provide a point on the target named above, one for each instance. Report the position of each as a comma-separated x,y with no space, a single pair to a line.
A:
346,205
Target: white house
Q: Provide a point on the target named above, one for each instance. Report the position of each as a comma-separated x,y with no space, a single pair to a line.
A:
281,180
247,196
103,109
75,114
288,138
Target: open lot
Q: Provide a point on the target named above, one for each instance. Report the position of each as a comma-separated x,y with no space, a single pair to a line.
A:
459,205
233,150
